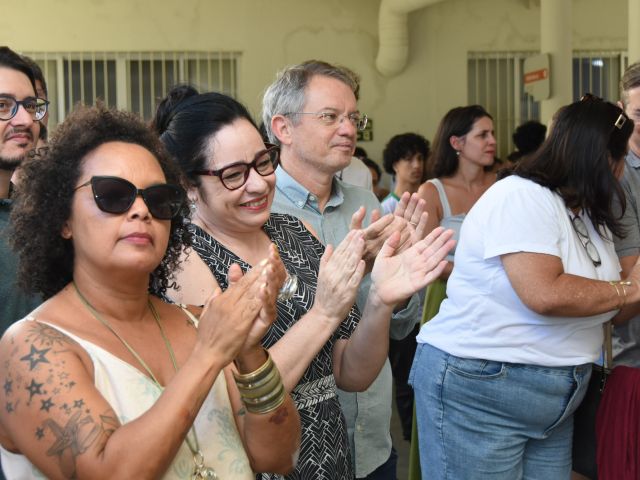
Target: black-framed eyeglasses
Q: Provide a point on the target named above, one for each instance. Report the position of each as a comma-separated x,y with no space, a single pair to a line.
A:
583,235
116,195
620,120
37,152
331,119
9,105
235,175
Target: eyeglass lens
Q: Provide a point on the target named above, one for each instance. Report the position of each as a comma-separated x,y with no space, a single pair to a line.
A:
36,107
116,195
235,176
330,118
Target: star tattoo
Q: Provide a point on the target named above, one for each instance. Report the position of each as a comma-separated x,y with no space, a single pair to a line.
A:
8,386
47,404
35,356
34,388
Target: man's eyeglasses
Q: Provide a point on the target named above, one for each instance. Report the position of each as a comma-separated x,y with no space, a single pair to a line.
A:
331,119
583,235
235,175
9,105
620,120
117,195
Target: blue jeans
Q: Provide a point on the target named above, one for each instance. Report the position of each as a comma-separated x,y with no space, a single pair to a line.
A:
479,419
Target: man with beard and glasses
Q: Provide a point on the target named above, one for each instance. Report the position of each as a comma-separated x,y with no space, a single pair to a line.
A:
41,92
20,112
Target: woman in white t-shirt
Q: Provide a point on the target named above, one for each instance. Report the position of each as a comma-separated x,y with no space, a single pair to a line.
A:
500,370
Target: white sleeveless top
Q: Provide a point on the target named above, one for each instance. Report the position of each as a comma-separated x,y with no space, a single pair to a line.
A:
131,393
453,222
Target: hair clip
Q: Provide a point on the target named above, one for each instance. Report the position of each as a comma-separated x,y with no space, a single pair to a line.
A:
620,121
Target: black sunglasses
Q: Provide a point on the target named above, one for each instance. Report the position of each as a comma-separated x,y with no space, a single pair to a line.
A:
116,195
235,175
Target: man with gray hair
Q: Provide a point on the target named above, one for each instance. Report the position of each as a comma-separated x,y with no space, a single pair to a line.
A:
626,340
311,112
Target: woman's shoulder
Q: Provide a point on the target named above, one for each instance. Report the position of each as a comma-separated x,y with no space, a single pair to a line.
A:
289,223
518,195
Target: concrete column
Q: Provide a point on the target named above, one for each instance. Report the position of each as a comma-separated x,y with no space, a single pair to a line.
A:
555,39
633,35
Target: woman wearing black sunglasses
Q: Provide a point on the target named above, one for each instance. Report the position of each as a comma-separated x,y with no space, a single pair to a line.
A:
231,184
105,380
502,367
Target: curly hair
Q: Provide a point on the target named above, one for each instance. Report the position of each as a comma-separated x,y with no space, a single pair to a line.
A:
44,197
402,146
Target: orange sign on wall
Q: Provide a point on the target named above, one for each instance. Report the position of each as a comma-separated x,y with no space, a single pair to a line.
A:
536,75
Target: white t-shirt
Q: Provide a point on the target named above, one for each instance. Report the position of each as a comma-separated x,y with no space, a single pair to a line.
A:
356,173
483,317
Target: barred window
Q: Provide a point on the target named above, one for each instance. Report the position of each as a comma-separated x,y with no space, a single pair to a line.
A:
495,81
134,81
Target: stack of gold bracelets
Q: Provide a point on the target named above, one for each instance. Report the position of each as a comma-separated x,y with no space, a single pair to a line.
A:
262,390
622,298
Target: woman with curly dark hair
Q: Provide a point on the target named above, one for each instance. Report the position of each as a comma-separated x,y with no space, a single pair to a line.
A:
104,379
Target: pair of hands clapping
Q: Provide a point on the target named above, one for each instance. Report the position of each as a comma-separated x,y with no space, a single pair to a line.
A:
409,220
233,322
394,248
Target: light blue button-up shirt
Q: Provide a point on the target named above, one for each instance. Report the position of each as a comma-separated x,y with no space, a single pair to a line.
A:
368,413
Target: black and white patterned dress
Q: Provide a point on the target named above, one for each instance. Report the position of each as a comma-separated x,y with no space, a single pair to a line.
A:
324,450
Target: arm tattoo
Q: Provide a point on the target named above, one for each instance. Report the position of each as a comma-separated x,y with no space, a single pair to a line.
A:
77,436
72,440
45,335
35,356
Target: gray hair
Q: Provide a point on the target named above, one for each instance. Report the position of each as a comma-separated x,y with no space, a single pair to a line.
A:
630,79
287,94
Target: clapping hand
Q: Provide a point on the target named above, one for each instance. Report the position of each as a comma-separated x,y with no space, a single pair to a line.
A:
236,319
397,276
341,271
411,208
409,220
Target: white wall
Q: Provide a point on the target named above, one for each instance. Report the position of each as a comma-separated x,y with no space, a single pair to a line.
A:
274,33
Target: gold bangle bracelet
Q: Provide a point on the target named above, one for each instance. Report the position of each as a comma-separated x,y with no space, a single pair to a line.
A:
265,398
622,298
264,389
265,380
256,375
269,404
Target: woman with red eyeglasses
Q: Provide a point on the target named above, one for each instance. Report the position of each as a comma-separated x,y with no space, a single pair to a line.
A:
318,338
104,379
